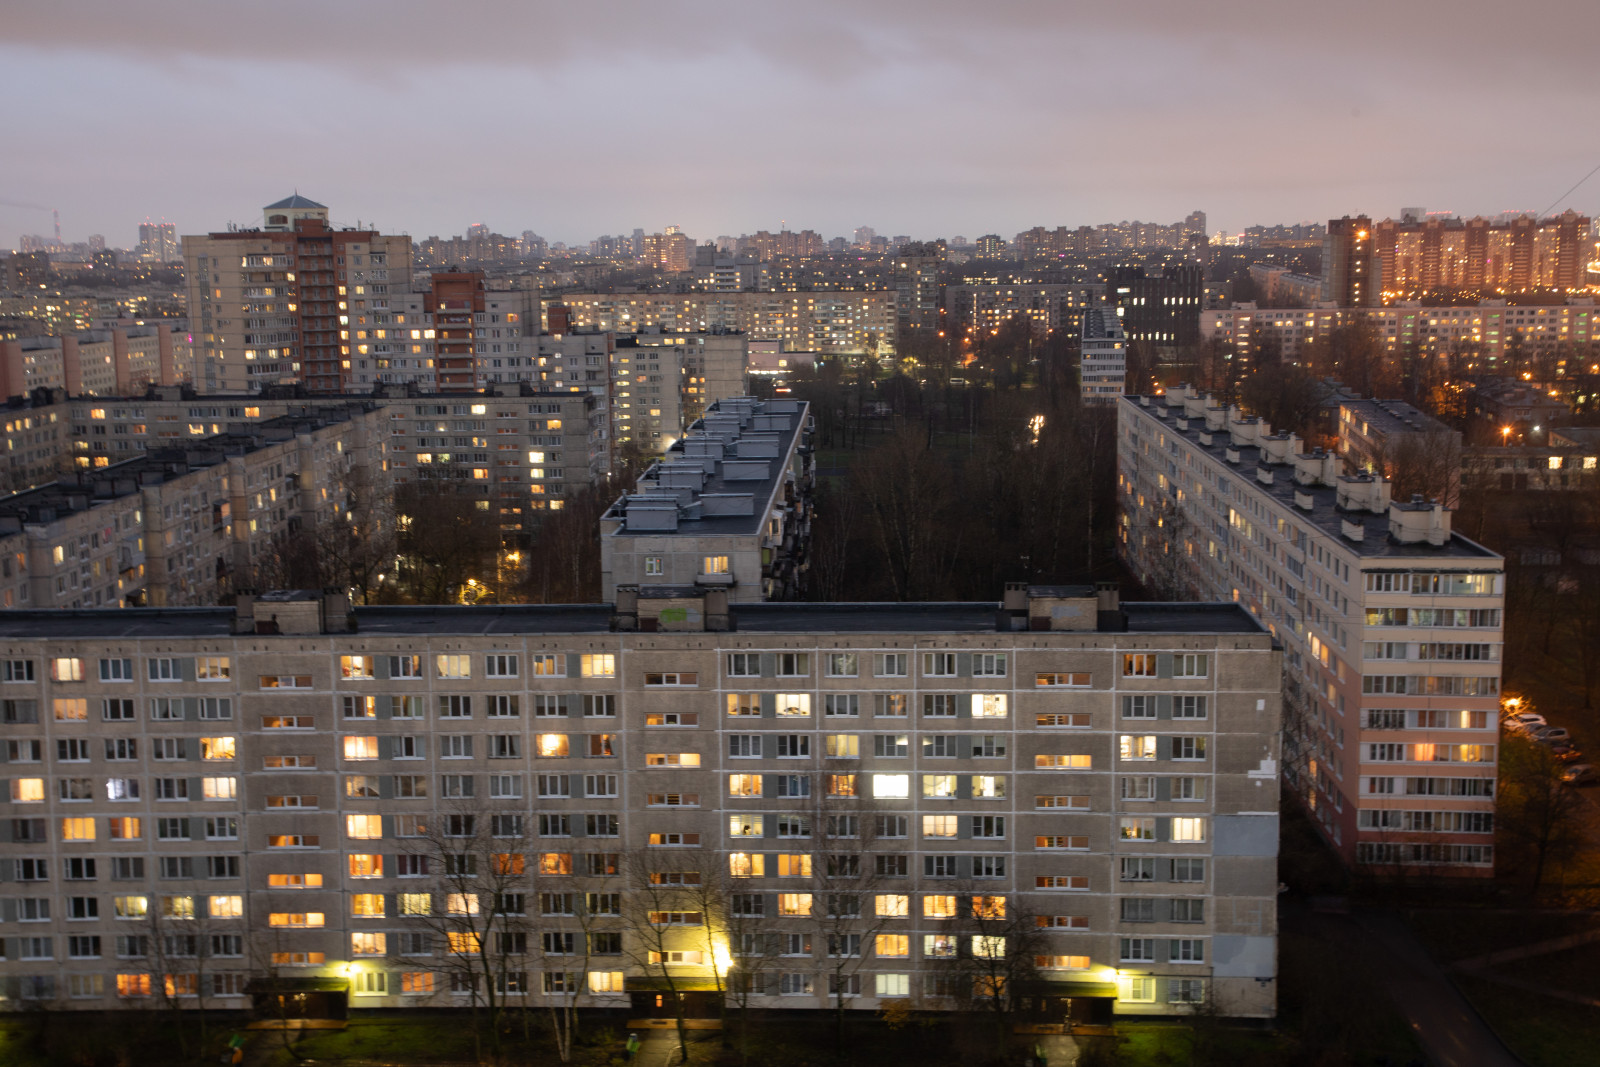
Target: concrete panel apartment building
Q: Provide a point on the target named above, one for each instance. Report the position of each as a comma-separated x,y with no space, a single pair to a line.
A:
281,303
221,802
1486,329
729,506
179,525
829,321
108,362
1391,623
524,450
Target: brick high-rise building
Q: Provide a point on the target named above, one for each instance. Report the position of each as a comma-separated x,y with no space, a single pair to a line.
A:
282,303
1351,271
1425,255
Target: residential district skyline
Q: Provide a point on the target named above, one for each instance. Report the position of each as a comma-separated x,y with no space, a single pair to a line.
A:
55,236
925,119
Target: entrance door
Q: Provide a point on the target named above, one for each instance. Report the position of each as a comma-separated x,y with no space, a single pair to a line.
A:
1090,1011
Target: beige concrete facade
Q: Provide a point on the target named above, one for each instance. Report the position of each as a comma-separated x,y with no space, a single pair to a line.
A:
184,526
729,507
1113,790
835,322
283,303
110,362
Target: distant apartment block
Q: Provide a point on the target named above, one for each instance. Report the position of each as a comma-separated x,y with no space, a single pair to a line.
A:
1392,624
1482,331
728,507
1279,285
1047,307
1352,271
109,362
521,453
1103,365
282,303
187,523
457,334
916,268
1162,311
835,322
1422,255
158,242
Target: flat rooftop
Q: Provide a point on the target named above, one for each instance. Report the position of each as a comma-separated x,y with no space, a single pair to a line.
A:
1325,513
570,619
49,503
1393,416
720,478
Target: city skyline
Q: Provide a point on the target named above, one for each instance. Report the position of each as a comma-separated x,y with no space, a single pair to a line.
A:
722,120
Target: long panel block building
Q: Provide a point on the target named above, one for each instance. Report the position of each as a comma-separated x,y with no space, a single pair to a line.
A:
1392,624
794,803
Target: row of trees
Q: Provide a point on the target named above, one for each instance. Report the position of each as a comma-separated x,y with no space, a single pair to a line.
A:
694,922
924,496
427,544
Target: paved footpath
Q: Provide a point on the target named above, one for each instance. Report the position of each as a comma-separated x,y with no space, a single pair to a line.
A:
1450,1031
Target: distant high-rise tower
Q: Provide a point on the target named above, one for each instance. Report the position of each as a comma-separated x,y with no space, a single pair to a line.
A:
1350,269
315,300
158,242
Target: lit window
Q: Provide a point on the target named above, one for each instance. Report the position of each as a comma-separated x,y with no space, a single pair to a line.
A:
893,905
360,748
891,786
794,904
364,827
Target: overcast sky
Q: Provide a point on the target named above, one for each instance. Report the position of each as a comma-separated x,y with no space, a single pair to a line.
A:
922,117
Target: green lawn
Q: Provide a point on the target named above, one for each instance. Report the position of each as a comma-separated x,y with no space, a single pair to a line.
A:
1543,1032
439,1038
1463,933
110,1039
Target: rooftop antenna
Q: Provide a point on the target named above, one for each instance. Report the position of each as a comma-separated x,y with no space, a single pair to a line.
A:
57,215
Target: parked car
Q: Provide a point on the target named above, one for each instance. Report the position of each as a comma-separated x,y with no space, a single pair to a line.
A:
1580,774
1564,750
1526,721
1549,735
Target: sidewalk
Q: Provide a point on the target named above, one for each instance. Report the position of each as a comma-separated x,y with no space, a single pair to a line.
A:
1450,1031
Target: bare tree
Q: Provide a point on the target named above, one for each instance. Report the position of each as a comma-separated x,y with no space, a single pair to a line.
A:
745,925
663,928
998,958
446,544
180,939
1539,814
906,491
563,987
844,905
474,909
1427,464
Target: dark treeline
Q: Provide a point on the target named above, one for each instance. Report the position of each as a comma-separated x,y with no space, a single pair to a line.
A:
429,544
940,492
